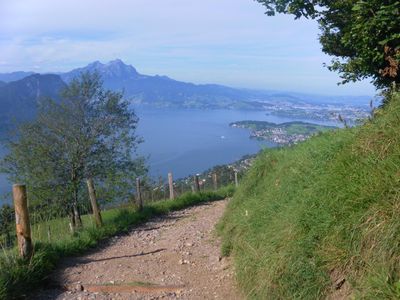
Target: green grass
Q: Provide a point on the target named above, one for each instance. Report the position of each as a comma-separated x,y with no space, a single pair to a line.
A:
306,129
330,205
19,277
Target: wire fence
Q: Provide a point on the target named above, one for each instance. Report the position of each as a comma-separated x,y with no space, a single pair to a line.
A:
49,222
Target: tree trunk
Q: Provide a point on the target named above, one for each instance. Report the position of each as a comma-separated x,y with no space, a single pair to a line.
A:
72,224
76,221
93,202
77,215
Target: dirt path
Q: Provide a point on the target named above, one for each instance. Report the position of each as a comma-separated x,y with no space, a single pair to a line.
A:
175,256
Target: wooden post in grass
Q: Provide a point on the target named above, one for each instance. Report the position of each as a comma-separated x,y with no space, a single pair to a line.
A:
139,200
236,179
23,227
49,233
196,183
171,186
93,202
215,180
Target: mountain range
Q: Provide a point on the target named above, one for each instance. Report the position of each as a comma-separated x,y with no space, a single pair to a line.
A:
162,91
20,92
7,77
19,99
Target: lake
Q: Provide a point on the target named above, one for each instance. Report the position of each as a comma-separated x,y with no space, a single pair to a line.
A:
187,142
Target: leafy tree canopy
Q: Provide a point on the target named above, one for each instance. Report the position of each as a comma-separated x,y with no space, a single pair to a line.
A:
89,133
363,35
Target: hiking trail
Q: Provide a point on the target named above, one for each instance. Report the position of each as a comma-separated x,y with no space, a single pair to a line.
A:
176,256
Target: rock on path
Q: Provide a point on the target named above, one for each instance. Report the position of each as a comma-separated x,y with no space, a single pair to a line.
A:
174,256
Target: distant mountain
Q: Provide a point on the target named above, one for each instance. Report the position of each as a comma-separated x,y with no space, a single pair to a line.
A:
113,72
19,99
7,77
163,91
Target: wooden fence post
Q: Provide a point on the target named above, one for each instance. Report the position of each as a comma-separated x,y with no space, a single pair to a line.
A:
236,179
139,200
93,202
49,233
23,227
196,183
171,186
215,180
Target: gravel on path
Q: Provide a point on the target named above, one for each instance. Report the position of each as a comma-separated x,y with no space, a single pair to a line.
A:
176,256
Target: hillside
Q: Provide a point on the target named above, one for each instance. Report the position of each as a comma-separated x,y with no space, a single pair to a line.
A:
321,219
19,99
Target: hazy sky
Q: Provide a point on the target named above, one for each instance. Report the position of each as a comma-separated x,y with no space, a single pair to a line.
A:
230,42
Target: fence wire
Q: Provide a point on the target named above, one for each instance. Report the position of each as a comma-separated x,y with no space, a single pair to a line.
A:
50,222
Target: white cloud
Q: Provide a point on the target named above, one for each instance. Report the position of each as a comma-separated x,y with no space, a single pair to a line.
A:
226,41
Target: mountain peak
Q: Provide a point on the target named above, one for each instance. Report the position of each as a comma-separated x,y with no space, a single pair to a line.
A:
116,61
113,70
95,64
118,67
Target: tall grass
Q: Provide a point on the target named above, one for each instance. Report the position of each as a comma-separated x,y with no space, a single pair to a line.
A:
19,277
325,210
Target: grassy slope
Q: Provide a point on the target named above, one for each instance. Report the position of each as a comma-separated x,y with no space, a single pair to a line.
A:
18,278
330,205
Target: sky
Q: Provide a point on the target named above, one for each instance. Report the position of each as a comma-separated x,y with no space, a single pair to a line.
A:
230,42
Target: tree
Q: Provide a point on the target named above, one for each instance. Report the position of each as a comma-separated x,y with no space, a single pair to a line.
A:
88,135
7,216
363,35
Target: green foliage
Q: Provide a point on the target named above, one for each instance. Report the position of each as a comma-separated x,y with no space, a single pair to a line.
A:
6,218
17,277
363,35
90,132
307,216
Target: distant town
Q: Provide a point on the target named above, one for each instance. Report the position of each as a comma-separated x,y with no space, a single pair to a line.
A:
350,114
281,134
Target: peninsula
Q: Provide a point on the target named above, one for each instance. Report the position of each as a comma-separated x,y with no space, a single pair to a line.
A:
281,134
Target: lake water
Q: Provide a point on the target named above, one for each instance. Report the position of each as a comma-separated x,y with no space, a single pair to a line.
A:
187,142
